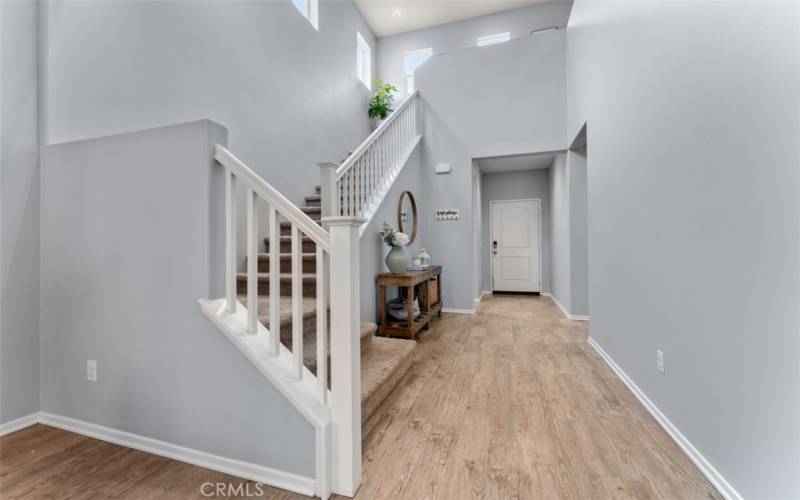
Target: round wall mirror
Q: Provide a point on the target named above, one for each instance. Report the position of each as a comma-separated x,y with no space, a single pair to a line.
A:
407,213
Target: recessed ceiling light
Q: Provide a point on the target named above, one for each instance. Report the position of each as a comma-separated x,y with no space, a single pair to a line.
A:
397,13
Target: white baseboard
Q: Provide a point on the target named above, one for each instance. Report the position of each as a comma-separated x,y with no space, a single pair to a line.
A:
244,470
458,311
708,470
480,297
573,317
19,424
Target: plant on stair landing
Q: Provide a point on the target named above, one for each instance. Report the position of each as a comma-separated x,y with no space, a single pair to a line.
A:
397,260
380,105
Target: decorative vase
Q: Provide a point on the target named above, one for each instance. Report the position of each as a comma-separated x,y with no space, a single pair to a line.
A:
397,260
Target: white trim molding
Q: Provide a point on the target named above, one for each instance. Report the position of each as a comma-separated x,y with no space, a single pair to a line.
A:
479,298
19,423
238,468
708,470
458,311
573,317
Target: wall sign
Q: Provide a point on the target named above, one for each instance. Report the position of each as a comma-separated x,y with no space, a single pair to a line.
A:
447,214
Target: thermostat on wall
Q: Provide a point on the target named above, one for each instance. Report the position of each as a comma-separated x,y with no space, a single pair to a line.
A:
443,168
447,214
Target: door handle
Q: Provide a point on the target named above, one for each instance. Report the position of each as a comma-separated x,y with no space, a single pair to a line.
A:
494,247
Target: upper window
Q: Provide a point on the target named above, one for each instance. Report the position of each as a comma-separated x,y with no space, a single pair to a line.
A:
493,39
363,61
309,9
411,62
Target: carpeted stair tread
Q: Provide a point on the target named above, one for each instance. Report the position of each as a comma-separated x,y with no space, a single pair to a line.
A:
382,367
309,308
287,256
367,330
308,262
264,277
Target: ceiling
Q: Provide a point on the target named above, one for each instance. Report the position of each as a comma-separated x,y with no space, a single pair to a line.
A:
514,163
391,17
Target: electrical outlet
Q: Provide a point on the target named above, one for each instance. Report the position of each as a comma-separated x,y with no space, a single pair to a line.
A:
91,370
660,361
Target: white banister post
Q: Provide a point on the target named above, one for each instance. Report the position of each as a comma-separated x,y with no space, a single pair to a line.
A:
345,367
328,191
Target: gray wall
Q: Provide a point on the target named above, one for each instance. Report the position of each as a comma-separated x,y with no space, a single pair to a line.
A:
578,232
561,279
519,185
127,250
470,112
373,250
463,34
287,92
692,112
569,226
477,231
19,211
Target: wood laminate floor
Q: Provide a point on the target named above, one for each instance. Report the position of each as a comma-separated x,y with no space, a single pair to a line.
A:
509,403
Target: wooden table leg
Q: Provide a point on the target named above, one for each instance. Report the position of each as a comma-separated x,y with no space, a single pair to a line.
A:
382,308
439,293
428,299
410,308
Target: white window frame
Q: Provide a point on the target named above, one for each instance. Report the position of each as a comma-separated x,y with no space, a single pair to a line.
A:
363,61
409,77
494,39
311,13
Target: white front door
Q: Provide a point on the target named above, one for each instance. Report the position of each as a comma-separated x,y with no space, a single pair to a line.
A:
515,246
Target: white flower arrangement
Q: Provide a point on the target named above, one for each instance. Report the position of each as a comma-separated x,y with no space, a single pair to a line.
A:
392,237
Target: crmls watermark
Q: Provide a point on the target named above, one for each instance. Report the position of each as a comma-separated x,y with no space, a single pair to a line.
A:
222,489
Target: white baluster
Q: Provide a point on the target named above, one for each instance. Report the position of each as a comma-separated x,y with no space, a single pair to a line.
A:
252,262
297,303
322,326
274,282
353,182
230,241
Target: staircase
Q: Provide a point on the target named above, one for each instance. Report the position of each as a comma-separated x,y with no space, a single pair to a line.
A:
295,312
384,361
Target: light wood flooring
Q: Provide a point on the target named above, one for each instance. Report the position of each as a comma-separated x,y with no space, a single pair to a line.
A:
509,403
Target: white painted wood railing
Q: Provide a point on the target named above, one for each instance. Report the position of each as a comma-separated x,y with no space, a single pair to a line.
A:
359,184
335,414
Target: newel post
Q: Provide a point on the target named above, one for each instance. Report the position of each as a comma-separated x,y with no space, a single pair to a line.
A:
345,398
330,201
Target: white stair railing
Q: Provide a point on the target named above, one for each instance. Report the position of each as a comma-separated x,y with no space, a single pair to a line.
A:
356,187
335,414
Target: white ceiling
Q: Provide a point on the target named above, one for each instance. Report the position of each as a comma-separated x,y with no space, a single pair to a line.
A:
514,163
419,14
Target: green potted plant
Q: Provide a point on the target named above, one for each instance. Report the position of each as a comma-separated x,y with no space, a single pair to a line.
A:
380,105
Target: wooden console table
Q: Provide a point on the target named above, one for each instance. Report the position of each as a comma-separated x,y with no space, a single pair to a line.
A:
429,306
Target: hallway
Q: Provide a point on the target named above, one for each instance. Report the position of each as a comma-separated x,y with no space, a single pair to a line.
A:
509,403
514,403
